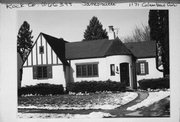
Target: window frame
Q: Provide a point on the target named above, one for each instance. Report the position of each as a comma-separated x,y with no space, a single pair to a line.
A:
84,73
41,49
43,72
143,68
112,71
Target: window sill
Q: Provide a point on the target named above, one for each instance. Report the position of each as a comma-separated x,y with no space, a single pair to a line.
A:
42,78
87,76
142,74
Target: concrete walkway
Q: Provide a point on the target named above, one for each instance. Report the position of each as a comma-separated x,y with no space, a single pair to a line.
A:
122,110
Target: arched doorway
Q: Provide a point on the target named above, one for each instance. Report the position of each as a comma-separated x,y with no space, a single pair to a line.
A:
124,73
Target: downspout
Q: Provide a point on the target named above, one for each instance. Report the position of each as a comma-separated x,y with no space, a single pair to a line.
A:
134,73
67,73
157,67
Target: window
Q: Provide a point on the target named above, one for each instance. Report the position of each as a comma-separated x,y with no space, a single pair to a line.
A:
42,72
142,68
87,70
112,69
41,49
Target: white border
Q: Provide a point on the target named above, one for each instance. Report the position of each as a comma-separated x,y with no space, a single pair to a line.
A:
8,63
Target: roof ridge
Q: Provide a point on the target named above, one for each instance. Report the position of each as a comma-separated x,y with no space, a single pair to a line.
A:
117,42
88,41
108,48
138,42
49,35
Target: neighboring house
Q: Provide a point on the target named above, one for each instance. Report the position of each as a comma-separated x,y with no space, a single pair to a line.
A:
145,53
19,70
56,61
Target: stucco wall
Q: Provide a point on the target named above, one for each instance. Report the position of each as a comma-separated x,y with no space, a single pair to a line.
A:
153,72
57,76
117,60
103,68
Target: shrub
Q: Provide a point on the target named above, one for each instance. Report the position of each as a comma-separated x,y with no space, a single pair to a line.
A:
41,89
94,86
154,83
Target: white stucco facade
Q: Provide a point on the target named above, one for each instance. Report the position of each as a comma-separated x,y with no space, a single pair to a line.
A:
103,68
57,77
37,59
153,72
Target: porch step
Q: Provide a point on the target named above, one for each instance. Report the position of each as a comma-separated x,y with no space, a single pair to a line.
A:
129,89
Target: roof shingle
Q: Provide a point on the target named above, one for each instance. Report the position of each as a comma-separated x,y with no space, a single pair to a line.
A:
99,48
143,49
95,49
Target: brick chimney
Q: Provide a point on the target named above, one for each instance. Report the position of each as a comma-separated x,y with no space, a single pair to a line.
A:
111,33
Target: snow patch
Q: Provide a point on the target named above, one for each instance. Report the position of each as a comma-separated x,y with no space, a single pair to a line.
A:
55,115
116,102
152,98
131,96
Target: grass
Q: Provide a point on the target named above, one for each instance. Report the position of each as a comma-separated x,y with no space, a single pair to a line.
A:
72,100
158,109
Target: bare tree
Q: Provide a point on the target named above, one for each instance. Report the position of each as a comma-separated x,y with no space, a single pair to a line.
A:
139,34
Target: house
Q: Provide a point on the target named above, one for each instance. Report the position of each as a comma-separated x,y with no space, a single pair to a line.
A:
56,61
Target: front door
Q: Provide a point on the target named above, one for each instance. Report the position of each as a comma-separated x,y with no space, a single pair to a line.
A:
124,73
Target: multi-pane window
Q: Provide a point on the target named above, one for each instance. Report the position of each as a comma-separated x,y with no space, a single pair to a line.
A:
41,49
112,69
142,68
87,70
42,72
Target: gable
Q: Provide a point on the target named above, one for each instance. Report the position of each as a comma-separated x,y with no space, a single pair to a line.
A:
47,57
58,46
144,49
118,48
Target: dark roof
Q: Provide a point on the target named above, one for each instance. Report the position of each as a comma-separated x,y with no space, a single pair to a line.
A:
118,48
95,48
58,46
99,48
143,49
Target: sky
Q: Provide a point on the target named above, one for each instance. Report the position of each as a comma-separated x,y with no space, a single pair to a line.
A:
71,24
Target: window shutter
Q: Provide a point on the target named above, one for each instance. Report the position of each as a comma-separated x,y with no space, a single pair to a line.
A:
49,71
146,68
34,72
138,68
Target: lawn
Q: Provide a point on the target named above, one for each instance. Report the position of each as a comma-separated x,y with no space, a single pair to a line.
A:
96,105
81,101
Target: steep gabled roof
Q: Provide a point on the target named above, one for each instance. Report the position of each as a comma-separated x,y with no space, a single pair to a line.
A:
145,49
95,49
118,48
58,46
